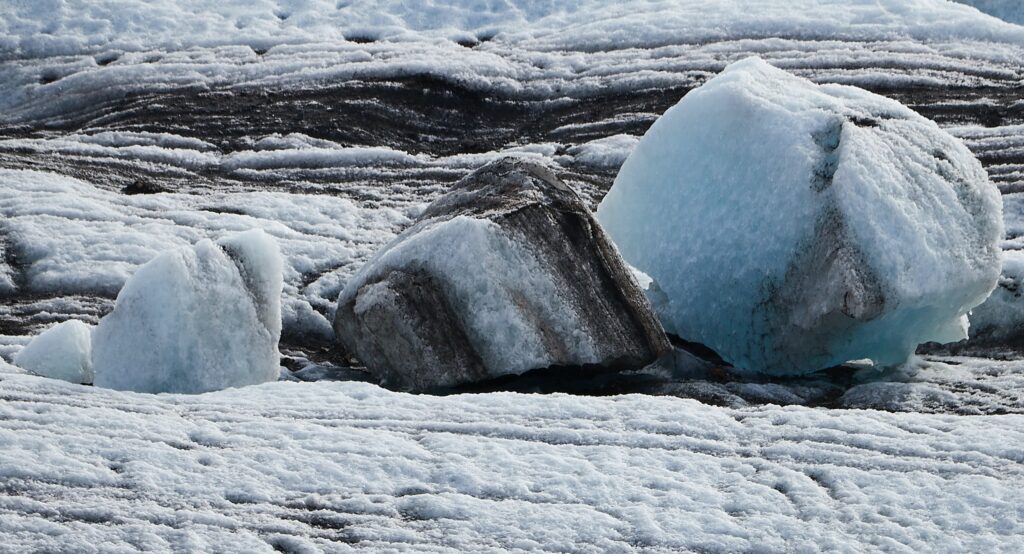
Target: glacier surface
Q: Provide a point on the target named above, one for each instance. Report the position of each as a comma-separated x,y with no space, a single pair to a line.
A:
329,125
343,466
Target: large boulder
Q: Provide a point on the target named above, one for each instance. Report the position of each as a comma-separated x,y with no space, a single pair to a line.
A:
64,351
195,320
506,273
794,227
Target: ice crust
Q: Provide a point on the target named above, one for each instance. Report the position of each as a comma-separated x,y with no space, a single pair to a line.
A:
1011,11
330,466
195,320
64,351
794,227
52,27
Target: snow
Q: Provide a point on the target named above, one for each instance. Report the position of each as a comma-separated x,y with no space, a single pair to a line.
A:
64,351
332,466
1001,316
62,60
606,152
55,28
845,225
77,238
195,320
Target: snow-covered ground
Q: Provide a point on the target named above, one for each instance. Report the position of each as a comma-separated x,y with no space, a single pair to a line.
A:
330,125
302,467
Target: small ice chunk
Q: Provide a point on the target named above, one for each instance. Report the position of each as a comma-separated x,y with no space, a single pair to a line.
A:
794,227
64,351
195,320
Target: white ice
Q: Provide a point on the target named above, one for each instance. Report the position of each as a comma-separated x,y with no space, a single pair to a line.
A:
736,198
77,238
332,466
195,320
64,351
1007,10
102,51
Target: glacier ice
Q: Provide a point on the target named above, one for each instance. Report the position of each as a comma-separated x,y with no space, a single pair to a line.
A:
63,351
794,226
195,320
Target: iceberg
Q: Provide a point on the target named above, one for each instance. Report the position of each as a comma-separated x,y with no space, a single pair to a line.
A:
795,227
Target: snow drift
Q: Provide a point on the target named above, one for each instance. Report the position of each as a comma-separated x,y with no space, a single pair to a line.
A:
794,227
195,320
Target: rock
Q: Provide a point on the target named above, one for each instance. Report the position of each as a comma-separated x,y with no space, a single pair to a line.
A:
195,320
506,273
794,227
64,351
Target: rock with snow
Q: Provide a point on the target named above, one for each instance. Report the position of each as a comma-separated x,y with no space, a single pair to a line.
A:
506,273
195,320
63,351
795,227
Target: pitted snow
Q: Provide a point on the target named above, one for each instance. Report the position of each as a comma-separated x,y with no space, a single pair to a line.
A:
337,465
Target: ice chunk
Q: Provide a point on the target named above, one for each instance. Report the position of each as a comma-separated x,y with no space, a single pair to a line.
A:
195,320
506,273
794,226
1011,11
63,351
999,321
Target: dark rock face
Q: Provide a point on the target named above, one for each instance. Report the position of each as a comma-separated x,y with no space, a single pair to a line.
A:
507,273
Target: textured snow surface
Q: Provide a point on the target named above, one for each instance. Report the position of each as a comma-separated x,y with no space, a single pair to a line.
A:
98,52
795,227
336,465
195,320
261,115
76,238
53,27
63,351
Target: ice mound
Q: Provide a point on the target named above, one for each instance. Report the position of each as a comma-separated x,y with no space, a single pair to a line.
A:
794,227
506,273
195,320
63,351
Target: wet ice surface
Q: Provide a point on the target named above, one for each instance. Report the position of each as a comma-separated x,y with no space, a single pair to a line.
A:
138,140
326,465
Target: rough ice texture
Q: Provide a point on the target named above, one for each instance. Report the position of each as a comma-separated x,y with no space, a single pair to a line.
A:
63,351
328,466
1007,10
1000,319
195,320
506,273
794,227
51,27
75,238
